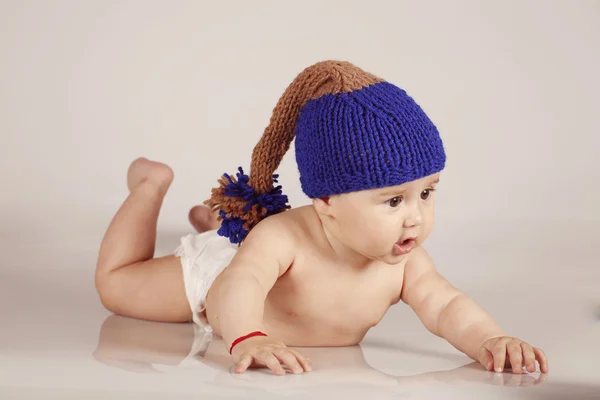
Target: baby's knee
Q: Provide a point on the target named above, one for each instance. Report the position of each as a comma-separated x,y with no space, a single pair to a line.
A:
105,289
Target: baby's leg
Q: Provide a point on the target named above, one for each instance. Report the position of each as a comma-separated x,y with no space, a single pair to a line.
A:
203,219
129,280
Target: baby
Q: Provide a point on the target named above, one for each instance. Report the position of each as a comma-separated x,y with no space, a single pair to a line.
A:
266,277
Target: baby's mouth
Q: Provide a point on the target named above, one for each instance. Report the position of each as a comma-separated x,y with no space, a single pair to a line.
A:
404,246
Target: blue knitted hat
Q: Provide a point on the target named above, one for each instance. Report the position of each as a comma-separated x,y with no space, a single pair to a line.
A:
353,130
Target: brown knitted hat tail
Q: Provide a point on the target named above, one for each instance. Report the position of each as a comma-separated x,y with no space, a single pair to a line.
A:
325,77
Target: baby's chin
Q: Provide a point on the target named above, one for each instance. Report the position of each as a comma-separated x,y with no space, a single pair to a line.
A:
390,257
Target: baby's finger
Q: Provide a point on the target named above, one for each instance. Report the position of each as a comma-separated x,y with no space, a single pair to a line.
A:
304,362
541,357
528,357
243,364
289,359
271,362
486,359
515,355
499,353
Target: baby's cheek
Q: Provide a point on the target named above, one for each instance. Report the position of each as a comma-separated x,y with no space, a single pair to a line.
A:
379,240
366,238
370,231
363,236
425,231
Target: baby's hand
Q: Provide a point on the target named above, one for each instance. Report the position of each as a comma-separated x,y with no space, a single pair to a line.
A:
266,352
493,355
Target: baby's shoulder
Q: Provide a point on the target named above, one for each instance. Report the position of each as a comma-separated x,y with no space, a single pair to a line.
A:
276,239
286,230
298,224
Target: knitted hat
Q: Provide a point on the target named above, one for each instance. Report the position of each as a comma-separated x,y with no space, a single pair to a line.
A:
354,131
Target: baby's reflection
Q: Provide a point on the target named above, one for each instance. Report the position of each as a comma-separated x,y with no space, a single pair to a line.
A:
151,347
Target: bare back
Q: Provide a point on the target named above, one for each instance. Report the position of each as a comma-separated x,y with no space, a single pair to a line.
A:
318,301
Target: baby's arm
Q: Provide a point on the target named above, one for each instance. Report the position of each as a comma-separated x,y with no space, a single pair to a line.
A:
451,314
238,296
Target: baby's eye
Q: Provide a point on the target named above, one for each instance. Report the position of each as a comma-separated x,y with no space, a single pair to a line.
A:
426,193
394,201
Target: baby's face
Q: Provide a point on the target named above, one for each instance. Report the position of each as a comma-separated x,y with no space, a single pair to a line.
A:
372,222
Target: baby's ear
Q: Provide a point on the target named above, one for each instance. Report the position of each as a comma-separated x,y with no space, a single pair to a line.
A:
322,205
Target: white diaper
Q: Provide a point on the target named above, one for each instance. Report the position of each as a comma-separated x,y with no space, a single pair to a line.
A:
203,257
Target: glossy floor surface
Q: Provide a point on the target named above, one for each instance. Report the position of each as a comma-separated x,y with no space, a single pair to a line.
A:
57,341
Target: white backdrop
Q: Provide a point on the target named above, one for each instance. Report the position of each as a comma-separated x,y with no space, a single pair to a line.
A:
88,86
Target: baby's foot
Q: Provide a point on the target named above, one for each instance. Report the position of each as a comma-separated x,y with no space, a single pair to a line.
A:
144,170
203,219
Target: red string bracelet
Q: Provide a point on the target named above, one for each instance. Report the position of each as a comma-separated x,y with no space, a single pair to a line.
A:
242,338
